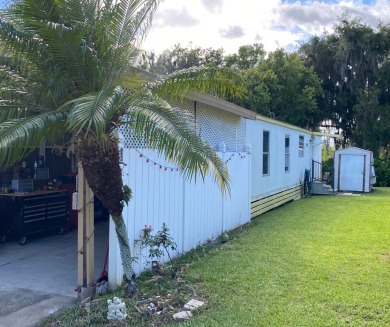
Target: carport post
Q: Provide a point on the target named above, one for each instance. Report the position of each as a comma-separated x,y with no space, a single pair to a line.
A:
85,239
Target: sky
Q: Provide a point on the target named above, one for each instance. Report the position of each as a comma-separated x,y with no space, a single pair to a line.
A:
228,24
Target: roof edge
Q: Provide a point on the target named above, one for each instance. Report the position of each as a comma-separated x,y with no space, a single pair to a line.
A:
337,136
282,124
353,148
207,99
296,128
222,104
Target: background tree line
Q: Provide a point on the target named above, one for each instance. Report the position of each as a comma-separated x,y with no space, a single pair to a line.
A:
337,80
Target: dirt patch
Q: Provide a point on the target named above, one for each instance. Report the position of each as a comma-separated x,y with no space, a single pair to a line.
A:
386,257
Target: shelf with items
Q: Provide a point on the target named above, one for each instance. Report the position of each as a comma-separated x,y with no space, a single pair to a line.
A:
41,173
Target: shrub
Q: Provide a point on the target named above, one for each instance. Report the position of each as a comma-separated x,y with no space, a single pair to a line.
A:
382,168
157,244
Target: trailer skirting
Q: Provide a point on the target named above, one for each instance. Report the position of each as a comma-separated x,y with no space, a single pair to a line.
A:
275,200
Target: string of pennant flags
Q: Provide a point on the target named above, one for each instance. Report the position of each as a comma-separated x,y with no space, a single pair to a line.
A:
242,156
161,166
173,169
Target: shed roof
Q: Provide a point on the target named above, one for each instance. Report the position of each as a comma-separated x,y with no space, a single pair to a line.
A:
352,149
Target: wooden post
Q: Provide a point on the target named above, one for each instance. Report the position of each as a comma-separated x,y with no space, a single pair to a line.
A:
85,240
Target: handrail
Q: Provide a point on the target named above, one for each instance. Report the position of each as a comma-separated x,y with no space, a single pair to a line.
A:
316,170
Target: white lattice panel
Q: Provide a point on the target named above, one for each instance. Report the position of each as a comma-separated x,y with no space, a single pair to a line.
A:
130,141
241,135
218,126
187,108
212,124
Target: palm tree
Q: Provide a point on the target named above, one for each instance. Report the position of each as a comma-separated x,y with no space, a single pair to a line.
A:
69,65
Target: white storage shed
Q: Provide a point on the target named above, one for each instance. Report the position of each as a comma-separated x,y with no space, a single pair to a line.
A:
354,170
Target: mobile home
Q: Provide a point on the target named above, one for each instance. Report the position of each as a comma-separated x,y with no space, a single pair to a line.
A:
266,161
280,155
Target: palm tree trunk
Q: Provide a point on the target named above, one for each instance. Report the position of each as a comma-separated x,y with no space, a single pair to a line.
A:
104,176
125,252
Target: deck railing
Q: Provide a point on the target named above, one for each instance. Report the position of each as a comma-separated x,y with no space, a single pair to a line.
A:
316,171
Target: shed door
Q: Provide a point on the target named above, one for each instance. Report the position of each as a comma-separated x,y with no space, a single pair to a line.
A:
351,176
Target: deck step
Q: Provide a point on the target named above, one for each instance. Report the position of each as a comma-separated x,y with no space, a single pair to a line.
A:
319,187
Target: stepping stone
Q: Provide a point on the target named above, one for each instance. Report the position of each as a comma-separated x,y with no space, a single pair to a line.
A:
193,304
182,315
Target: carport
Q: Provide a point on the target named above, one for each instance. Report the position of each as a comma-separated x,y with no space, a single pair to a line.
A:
51,270
83,260
41,276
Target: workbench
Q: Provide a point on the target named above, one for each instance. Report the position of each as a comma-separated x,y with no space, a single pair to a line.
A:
23,214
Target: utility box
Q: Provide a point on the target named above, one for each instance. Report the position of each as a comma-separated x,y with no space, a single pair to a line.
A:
353,170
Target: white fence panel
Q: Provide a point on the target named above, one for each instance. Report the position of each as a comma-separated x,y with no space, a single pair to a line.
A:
193,211
236,209
202,212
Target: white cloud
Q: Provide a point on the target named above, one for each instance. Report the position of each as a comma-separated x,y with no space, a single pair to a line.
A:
232,32
213,6
320,14
274,23
175,18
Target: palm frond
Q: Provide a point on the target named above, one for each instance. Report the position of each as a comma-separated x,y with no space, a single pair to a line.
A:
143,12
170,133
19,137
50,45
74,54
223,82
93,112
125,25
12,81
10,110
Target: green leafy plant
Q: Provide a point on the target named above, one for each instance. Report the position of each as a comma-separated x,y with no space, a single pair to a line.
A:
127,194
382,168
158,243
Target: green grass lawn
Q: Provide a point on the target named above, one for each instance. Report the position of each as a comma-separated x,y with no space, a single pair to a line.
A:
320,261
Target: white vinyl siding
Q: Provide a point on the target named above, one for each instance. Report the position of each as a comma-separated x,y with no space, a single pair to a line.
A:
278,180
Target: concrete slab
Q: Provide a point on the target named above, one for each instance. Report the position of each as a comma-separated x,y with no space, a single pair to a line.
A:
349,194
18,298
22,307
40,277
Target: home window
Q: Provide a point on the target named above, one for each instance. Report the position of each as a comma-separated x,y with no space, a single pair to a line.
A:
301,145
265,152
287,153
